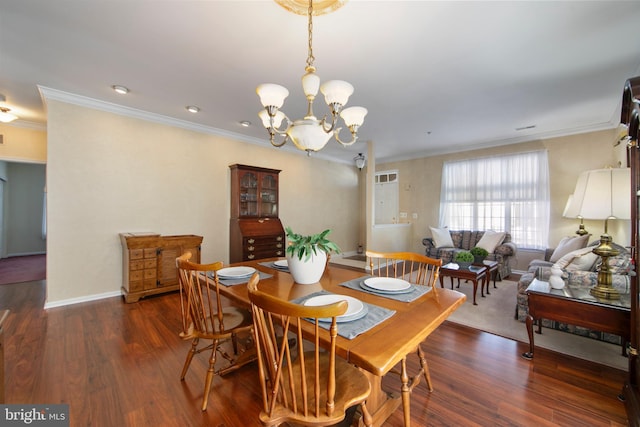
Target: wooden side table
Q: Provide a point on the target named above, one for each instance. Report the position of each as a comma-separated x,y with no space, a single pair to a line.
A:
575,306
492,272
473,273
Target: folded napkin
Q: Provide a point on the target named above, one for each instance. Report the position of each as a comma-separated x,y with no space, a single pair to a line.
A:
241,280
270,264
350,330
416,290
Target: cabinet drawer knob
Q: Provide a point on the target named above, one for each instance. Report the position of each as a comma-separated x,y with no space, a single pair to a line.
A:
279,245
279,238
251,241
251,248
251,256
279,253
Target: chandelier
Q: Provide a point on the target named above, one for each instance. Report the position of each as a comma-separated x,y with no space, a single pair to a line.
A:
310,134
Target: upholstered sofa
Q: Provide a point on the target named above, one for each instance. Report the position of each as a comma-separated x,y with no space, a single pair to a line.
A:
620,266
504,250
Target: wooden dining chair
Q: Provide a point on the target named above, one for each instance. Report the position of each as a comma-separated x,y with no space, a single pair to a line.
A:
310,386
205,318
420,270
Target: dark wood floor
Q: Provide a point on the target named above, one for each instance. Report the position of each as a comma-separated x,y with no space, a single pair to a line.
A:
118,364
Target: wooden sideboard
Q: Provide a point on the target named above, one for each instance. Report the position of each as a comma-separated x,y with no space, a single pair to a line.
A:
149,262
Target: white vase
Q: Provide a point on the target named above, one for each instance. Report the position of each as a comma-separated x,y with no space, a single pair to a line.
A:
309,271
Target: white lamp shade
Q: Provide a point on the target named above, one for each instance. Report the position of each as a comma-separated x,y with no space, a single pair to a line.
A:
308,135
277,119
603,194
310,84
272,95
570,209
353,115
336,91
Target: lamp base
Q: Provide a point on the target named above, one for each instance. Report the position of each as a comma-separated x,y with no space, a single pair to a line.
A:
604,289
605,292
581,230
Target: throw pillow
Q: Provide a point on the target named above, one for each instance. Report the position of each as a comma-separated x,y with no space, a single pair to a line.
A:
569,244
578,260
490,239
441,237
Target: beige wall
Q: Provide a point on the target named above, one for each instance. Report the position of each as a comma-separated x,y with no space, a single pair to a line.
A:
109,174
23,144
568,156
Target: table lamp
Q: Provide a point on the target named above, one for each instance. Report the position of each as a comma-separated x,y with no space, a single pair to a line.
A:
604,194
571,211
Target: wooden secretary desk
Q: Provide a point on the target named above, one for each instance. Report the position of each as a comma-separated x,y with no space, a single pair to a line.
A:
255,231
631,118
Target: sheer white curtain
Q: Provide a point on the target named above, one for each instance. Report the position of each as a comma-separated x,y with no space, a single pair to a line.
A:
505,193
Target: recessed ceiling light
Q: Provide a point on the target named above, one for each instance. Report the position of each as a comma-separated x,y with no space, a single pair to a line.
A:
245,123
120,89
192,108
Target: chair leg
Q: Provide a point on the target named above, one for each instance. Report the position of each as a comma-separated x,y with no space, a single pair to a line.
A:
406,393
210,373
366,416
187,362
425,368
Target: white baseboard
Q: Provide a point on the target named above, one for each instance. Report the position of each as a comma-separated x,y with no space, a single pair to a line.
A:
71,301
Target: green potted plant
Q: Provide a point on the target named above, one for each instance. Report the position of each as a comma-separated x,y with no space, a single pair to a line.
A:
307,255
463,258
479,254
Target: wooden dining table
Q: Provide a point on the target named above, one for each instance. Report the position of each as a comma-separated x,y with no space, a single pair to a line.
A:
377,350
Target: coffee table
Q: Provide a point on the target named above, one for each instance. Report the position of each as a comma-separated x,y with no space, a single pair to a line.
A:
474,273
576,306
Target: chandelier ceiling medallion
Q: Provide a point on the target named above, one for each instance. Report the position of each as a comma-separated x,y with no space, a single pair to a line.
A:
310,134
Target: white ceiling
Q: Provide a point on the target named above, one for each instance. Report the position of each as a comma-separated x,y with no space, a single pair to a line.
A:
436,77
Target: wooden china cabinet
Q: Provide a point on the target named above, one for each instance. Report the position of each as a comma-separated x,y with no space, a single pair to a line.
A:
255,230
631,117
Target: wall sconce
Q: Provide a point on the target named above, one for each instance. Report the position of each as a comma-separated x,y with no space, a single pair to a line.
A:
360,161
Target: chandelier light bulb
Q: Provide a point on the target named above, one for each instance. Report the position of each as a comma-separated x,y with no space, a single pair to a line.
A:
272,95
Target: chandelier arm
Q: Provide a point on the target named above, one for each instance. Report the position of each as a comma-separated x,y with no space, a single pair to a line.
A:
273,141
332,125
354,137
275,130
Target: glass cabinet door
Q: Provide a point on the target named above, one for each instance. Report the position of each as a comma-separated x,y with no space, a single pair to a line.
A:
249,194
269,196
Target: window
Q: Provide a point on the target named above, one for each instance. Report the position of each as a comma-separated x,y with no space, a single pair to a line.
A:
507,193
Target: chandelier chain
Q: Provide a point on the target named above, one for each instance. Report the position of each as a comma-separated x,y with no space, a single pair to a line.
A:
310,58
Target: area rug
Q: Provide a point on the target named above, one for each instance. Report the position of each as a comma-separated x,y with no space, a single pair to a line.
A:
495,314
22,269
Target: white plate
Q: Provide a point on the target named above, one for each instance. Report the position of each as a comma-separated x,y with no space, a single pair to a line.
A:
355,310
387,284
281,263
235,272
